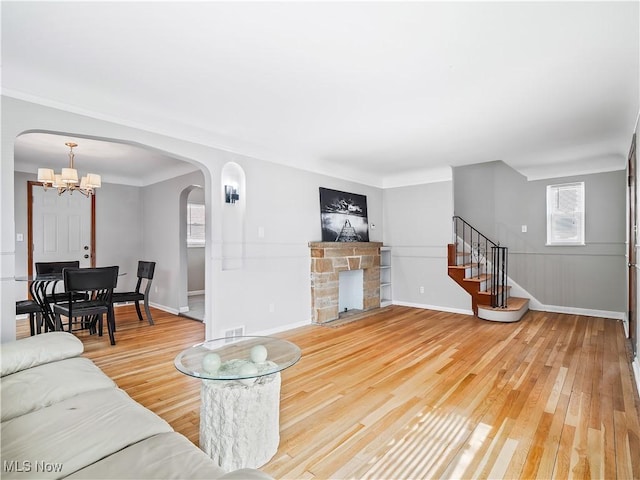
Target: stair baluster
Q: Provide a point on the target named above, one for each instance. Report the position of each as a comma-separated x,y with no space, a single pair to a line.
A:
472,249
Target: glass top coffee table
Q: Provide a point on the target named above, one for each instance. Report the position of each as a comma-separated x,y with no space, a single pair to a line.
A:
237,358
240,396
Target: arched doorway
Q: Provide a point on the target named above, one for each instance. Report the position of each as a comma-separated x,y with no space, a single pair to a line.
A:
133,215
193,218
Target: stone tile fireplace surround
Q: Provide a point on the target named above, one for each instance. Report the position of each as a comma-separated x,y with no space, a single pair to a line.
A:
328,259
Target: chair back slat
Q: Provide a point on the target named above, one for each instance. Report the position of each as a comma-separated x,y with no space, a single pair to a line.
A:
46,268
146,269
90,279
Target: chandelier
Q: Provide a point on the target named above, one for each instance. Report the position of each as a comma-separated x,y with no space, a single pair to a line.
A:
67,180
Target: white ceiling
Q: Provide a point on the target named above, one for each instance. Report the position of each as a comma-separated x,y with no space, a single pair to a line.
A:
385,93
115,162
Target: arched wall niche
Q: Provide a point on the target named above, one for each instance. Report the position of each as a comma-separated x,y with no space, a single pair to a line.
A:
233,200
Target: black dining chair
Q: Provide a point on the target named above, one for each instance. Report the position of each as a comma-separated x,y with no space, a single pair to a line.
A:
53,268
98,284
145,273
31,308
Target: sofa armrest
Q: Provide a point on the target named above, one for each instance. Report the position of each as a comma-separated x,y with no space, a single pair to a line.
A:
163,456
38,349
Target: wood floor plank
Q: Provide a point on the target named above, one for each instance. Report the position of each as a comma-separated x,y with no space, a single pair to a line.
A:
413,393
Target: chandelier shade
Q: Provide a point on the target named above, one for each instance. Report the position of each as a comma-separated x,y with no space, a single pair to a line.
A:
67,179
46,175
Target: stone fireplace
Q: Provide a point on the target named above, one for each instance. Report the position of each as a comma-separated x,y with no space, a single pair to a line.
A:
328,259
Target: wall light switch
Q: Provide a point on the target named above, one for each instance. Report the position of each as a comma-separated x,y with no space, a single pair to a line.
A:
19,237
260,232
524,229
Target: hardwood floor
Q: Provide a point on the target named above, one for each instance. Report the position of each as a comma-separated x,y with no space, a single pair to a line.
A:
410,393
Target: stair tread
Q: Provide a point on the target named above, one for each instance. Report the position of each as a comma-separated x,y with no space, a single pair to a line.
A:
481,278
513,304
488,292
457,266
463,266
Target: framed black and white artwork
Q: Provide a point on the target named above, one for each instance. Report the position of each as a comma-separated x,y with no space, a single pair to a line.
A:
343,216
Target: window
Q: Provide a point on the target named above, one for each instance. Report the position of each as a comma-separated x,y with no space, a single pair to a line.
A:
195,224
565,214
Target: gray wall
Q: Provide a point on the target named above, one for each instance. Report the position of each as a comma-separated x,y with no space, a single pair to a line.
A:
196,259
498,201
196,255
118,232
162,243
20,199
270,292
272,289
418,228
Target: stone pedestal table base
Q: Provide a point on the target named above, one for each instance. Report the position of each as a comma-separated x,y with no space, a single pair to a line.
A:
240,424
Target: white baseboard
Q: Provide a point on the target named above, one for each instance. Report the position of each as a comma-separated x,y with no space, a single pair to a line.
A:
195,292
433,307
536,306
636,372
154,305
282,328
587,312
165,308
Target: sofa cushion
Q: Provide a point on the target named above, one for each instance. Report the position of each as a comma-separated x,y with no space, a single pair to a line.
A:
74,433
38,387
166,455
33,351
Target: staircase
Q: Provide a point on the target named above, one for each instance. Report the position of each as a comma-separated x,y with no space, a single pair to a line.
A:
479,265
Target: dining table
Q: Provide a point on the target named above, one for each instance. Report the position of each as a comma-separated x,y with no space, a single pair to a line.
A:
42,289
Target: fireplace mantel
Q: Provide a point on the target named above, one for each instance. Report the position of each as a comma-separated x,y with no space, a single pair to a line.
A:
328,259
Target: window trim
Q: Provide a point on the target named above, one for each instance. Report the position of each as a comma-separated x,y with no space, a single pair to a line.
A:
582,233
195,243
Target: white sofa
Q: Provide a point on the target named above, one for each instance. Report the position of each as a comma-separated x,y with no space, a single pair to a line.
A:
62,417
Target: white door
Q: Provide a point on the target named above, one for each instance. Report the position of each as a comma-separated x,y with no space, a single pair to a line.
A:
61,227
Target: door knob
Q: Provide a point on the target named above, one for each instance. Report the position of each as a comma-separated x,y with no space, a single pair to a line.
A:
86,256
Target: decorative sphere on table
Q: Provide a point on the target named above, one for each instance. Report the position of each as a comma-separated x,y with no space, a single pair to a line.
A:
211,362
258,354
245,370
